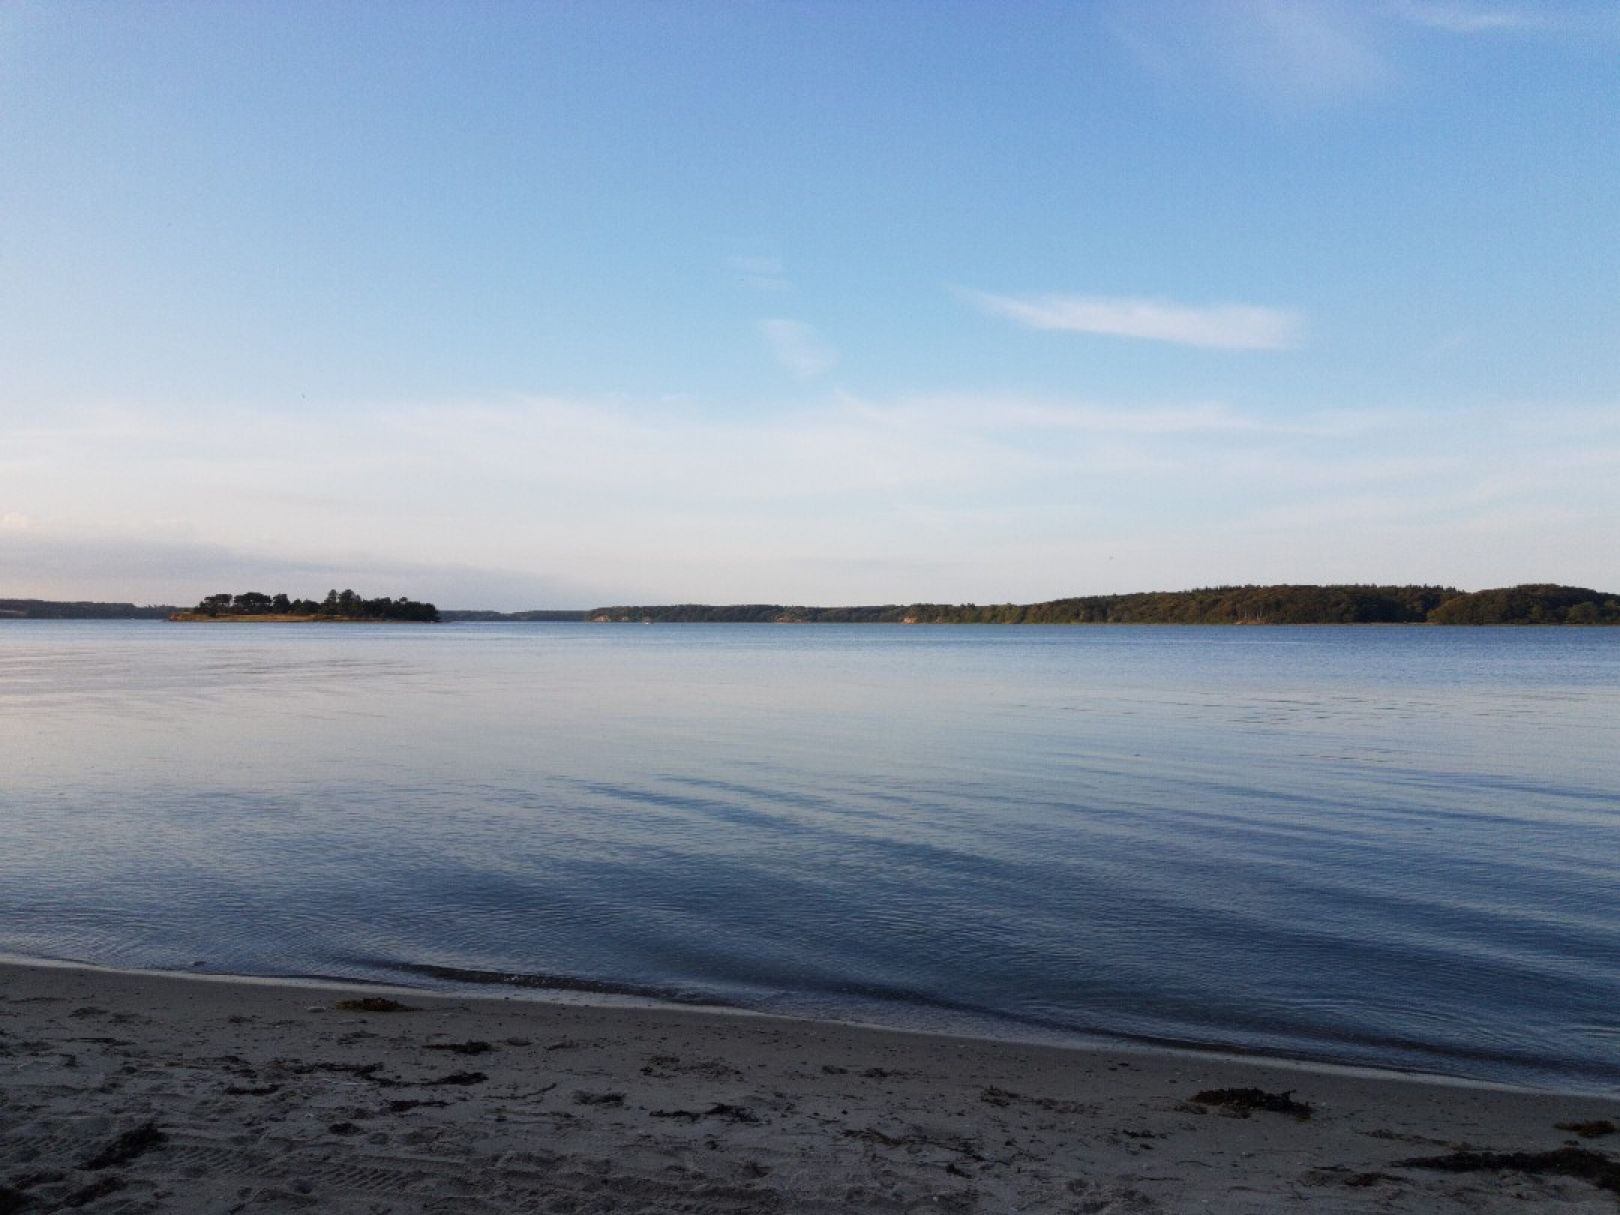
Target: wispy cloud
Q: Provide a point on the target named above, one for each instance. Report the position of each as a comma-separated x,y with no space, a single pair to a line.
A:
977,413
1589,19
1457,18
1306,46
1218,327
1305,53
798,347
795,344
1294,51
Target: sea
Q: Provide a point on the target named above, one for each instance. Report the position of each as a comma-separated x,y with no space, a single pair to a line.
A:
1388,847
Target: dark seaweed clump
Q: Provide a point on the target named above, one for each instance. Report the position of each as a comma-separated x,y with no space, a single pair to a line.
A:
1245,1101
373,1004
1594,1129
1580,1163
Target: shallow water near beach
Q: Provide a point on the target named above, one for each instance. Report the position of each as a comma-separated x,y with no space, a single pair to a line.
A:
1395,847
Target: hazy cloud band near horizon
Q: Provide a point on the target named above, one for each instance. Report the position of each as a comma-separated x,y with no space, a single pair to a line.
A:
846,499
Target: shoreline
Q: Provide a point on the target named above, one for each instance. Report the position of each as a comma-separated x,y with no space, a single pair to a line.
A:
981,1029
1096,1042
264,1094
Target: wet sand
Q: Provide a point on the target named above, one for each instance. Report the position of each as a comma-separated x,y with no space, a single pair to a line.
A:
135,1093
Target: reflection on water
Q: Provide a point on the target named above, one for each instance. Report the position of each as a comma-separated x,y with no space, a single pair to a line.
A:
1389,846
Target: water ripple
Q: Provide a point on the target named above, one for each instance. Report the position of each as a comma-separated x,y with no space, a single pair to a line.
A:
1386,847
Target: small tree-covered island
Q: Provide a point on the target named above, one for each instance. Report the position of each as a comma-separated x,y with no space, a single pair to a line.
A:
345,607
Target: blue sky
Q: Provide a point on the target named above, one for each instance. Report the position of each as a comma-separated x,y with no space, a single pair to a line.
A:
553,305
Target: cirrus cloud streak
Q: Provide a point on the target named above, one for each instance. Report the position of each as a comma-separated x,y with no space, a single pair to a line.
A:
1215,327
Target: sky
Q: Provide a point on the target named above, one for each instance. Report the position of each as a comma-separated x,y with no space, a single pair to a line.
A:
518,305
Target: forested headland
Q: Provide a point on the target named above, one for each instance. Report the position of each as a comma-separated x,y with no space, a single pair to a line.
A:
1350,604
346,606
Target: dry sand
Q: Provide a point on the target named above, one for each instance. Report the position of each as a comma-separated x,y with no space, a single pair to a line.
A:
153,1093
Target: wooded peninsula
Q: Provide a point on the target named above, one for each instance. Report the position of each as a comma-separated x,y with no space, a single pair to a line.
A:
1518,605
338,606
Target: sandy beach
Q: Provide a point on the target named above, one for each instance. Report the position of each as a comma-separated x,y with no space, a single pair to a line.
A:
133,1092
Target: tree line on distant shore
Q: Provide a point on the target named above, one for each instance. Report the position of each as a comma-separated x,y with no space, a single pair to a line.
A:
338,605
60,609
1350,604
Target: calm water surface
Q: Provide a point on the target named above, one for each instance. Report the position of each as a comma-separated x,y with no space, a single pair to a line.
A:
1397,847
